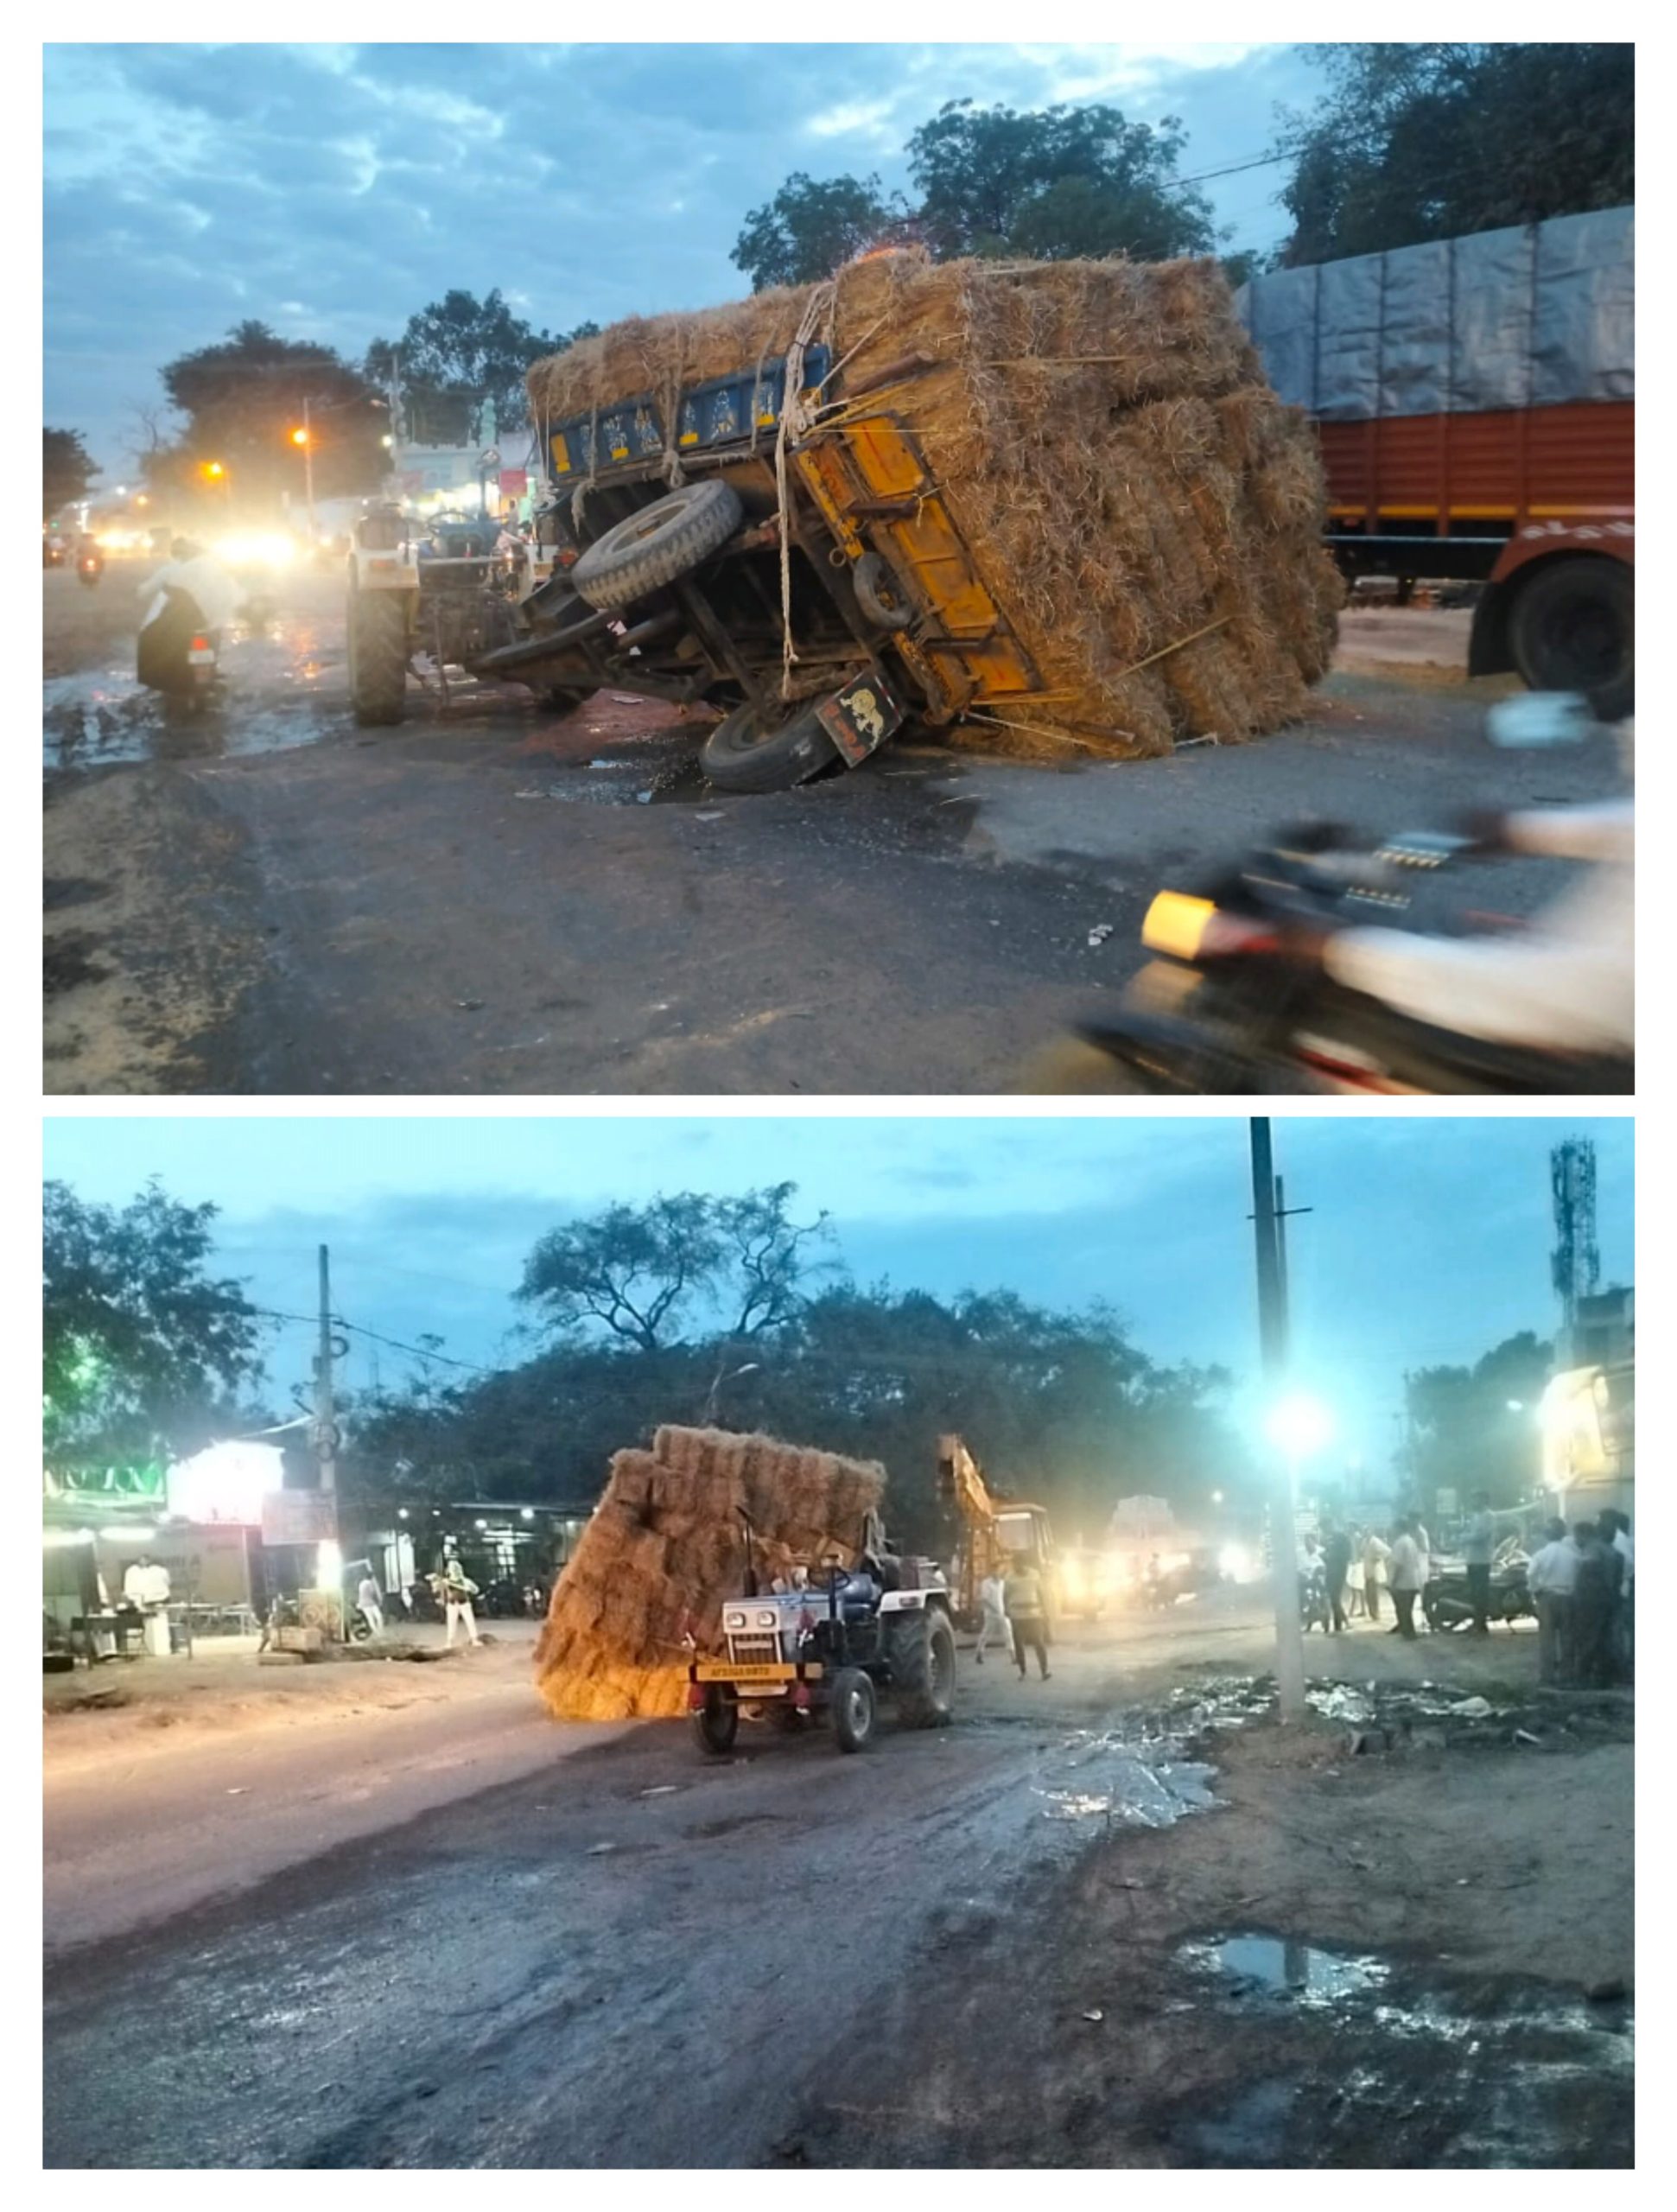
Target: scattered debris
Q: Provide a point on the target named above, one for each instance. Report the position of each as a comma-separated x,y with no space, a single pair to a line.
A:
1094,2013
1472,1708
1100,933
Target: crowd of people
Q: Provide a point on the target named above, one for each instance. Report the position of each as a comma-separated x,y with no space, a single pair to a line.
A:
1583,1581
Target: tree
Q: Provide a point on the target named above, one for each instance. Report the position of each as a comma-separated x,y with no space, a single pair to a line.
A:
1057,183
67,470
458,356
242,400
643,1273
1475,1428
1424,141
139,1342
809,229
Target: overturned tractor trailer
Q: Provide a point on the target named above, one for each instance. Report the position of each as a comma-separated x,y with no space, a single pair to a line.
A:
1474,402
1055,501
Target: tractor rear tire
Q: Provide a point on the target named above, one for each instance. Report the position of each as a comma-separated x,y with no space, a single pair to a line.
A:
717,1722
657,545
855,1708
378,656
922,1647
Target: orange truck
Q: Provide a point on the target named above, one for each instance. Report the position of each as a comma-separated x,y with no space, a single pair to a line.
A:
1474,402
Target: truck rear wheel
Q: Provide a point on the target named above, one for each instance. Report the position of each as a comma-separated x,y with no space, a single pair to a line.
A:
378,656
746,753
657,544
921,1649
854,1708
1574,628
717,1722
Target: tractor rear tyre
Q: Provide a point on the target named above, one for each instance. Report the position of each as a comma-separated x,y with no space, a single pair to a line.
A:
378,656
717,1722
747,753
1574,628
657,545
854,1709
921,1649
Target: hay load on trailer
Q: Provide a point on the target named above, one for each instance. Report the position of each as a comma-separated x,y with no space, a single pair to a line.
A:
665,1546
1062,497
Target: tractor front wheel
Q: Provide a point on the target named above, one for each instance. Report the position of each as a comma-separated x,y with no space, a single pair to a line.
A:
378,656
854,1709
717,1722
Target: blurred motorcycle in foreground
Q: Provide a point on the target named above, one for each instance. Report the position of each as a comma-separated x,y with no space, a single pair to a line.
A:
1284,975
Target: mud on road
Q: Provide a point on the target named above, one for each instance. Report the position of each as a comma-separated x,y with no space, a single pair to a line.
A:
1085,1926
267,901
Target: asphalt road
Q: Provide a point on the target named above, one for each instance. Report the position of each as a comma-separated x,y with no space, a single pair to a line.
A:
469,1937
485,900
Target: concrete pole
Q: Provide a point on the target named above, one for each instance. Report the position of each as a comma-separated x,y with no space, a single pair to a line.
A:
308,476
1272,1344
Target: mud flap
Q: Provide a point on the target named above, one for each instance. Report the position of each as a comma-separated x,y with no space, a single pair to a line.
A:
860,716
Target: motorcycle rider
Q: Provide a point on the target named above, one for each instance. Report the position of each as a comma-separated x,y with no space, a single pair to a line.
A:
207,598
1564,984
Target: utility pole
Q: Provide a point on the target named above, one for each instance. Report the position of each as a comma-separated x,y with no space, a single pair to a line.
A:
326,1425
309,501
1272,1345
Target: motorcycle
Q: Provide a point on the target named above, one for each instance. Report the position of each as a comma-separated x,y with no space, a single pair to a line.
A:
177,654
90,567
1230,1004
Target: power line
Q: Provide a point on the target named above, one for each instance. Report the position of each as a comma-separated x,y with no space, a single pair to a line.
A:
394,1343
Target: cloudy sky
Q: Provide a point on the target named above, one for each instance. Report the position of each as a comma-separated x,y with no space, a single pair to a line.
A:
1428,1241
331,191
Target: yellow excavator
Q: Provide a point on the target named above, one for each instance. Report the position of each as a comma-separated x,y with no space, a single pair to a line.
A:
999,1534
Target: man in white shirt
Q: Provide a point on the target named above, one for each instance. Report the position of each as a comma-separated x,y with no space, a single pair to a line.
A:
1376,1554
146,1585
992,1598
1550,1577
1408,1576
369,1598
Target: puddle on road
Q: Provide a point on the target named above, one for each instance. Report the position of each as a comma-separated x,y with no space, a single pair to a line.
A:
283,686
1486,2076
1126,1779
642,774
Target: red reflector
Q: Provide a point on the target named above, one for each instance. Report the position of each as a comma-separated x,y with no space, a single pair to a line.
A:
200,646
801,1695
695,1697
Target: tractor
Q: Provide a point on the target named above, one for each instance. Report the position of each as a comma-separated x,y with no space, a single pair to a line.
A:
882,1628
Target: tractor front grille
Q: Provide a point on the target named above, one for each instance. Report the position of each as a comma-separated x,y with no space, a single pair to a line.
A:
754,1651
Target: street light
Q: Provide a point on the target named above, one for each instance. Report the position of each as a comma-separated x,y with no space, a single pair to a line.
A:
1299,1426
214,471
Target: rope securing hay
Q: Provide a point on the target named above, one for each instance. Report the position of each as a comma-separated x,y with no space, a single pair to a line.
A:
1145,511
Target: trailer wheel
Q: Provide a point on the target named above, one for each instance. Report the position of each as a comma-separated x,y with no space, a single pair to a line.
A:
921,1649
656,545
378,656
741,754
717,1722
878,595
854,1709
1573,627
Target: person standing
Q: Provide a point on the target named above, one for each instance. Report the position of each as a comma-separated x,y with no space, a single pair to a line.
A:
1550,1577
1408,1576
1022,1597
1477,1546
146,1587
1593,1593
1336,1566
1624,1545
1424,1545
371,1599
1376,1554
992,1617
455,1590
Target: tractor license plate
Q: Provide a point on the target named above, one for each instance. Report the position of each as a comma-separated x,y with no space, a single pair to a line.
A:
719,1670
860,717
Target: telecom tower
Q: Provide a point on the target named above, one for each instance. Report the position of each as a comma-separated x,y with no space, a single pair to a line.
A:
1576,1264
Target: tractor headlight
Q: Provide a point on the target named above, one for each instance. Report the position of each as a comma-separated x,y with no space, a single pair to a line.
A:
766,1619
736,1620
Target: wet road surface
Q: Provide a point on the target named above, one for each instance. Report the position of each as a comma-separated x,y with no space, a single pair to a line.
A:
265,900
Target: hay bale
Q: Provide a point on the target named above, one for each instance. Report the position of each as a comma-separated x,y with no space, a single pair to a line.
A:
665,1546
1104,440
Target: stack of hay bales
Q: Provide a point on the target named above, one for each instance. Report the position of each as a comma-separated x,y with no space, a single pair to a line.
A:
1142,507
666,1546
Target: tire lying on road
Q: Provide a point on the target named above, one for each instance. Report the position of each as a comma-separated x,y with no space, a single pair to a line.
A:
656,545
923,1667
378,656
745,753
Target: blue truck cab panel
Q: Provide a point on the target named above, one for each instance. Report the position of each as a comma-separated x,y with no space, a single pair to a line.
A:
723,411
